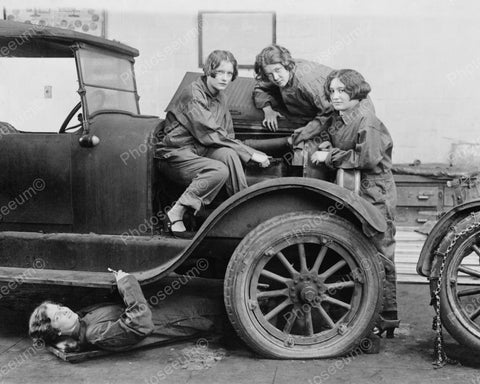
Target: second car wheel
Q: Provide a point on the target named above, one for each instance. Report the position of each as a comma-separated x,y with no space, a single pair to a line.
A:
460,288
304,285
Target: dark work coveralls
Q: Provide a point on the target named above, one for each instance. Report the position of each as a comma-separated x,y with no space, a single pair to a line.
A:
199,146
361,141
304,98
115,327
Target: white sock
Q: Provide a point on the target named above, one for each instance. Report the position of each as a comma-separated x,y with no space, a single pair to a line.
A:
178,226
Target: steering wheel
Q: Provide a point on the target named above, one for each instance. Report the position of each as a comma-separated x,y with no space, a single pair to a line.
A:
69,117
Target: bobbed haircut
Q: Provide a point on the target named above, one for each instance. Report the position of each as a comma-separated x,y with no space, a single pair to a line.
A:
273,54
355,85
40,327
214,60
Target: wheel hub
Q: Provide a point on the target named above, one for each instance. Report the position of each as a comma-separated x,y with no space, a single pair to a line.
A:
306,288
308,294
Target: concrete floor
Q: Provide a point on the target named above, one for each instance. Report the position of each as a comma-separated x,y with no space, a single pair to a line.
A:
405,359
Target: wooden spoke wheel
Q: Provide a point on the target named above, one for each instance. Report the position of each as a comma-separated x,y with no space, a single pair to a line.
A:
460,289
304,285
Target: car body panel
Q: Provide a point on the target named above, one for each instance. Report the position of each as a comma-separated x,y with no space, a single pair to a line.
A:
80,185
113,180
150,258
35,181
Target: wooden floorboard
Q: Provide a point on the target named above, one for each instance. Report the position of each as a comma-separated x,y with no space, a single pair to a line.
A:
149,342
407,252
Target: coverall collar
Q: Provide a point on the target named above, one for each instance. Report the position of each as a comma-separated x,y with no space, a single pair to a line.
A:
207,90
292,77
81,335
351,114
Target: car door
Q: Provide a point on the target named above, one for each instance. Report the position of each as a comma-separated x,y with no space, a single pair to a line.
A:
35,182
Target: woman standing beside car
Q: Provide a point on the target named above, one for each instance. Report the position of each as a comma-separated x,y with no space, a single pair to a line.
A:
360,141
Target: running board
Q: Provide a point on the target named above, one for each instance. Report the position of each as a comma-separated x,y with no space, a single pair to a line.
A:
17,276
77,259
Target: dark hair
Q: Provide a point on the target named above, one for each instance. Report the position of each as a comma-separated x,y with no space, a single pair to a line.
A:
40,327
355,85
214,60
273,54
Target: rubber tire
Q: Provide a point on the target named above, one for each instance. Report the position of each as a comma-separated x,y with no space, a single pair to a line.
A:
456,323
260,239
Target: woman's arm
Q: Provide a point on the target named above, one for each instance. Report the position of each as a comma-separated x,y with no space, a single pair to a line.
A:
137,315
266,94
134,323
201,124
367,154
313,92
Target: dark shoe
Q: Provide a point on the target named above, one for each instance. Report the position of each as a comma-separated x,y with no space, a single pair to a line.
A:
178,234
387,323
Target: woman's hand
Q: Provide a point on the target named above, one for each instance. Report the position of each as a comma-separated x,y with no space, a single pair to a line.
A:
270,120
261,159
118,274
305,133
319,157
325,146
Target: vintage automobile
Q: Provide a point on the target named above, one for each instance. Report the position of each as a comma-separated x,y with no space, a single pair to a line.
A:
450,260
301,278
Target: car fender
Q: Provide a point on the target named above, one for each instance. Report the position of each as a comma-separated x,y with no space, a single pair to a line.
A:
242,212
277,196
425,265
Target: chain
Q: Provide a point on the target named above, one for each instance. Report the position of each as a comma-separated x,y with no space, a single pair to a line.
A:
440,357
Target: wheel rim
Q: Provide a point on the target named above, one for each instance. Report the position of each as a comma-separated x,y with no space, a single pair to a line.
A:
464,298
305,290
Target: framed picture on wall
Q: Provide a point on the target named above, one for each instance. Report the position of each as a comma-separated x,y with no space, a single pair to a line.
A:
244,34
85,20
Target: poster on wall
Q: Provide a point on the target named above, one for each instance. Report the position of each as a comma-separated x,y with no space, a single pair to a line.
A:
84,20
245,34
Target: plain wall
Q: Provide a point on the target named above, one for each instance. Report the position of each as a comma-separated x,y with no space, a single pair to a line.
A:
422,62
22,100
422,58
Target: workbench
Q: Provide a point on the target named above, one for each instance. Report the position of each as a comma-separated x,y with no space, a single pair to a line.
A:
425,191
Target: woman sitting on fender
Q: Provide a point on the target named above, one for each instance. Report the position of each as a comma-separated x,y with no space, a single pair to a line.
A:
199,148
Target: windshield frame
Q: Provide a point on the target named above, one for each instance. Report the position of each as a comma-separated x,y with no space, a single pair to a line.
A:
78,50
